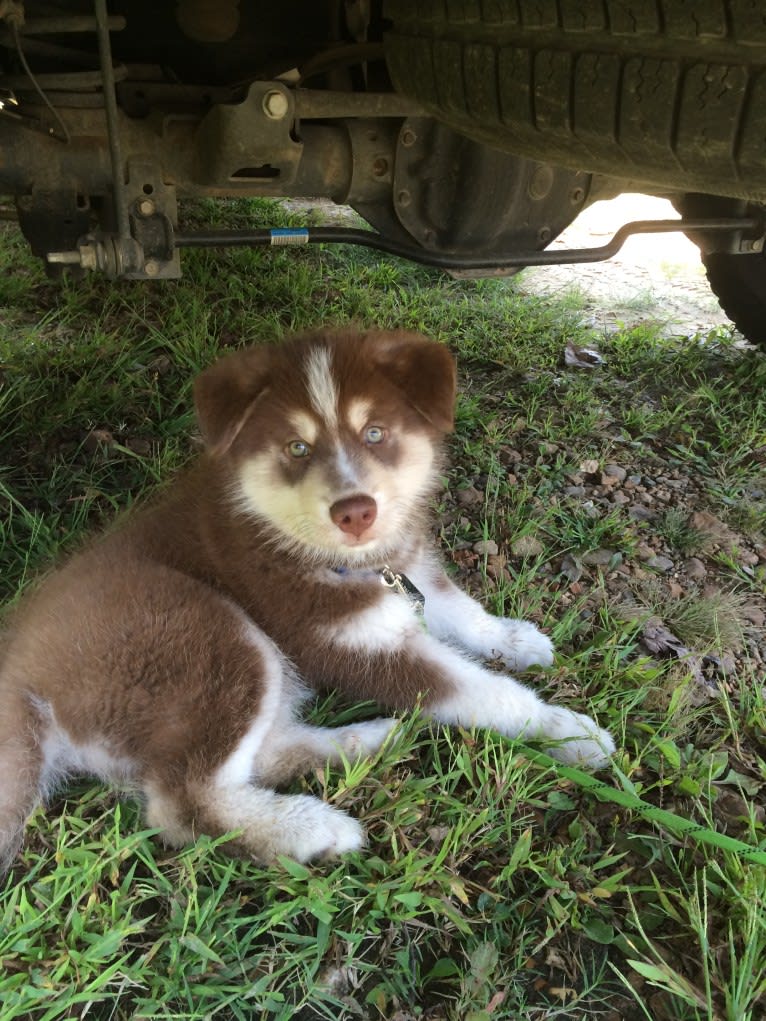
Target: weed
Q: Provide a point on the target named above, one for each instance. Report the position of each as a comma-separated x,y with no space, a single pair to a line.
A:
702,621
677,530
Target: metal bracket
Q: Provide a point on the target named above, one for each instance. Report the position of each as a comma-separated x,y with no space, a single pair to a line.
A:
250,141
153,214
148,253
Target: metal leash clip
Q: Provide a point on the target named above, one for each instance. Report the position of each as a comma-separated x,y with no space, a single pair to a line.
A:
402,585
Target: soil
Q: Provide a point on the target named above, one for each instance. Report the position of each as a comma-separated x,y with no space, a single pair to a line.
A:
654,277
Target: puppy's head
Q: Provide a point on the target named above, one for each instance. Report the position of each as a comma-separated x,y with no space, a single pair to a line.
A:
333,439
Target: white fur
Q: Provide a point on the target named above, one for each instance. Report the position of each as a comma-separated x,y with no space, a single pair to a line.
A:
63,757
300,513
238,767
320,384
384,626
325,744
454,616
481,698
305,426
347,471
295,825
358,414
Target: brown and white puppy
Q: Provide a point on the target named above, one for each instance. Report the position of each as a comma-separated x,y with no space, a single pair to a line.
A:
173,654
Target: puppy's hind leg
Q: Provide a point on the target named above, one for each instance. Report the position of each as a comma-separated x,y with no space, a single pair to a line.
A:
21,764
296,748
265,824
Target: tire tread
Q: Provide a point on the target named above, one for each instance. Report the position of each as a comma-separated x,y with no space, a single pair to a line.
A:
611,86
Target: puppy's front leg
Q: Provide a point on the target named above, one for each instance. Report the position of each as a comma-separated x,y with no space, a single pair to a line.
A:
454,616
477,697
382,654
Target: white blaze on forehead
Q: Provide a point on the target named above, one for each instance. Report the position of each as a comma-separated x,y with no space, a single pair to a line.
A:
305,426
321,387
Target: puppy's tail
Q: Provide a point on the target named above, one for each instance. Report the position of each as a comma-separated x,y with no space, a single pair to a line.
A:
20,769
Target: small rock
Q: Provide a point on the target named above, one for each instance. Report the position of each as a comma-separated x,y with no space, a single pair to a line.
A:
589,467
469,497
616,472
571,568
526,546
695,569
644,551
496,566
675,589
581,357
574,491
599,557
639,513
754,614
437,834
663,564
485,547
96,439
620,498
713,527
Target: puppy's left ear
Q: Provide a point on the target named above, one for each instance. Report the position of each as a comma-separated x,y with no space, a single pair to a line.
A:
423,369
225,392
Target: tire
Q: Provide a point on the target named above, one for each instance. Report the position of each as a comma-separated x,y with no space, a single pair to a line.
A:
738,281
671,94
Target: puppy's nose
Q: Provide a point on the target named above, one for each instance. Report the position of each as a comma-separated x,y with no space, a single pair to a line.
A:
355,514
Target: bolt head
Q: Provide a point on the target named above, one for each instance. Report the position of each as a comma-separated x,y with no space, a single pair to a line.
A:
275,105
151,268
146,207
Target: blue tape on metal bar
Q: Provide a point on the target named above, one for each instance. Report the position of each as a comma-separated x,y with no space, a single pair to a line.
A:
289,236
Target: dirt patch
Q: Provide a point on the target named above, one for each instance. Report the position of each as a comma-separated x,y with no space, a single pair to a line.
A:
657,278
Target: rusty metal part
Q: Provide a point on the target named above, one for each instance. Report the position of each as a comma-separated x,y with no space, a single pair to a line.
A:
454,195
250,141
73,80
67,23
119,198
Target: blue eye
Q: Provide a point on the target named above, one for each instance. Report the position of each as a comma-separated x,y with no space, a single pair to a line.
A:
374,434
297,449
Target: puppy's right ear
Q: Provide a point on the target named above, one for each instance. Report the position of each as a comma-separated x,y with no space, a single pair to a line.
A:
224,394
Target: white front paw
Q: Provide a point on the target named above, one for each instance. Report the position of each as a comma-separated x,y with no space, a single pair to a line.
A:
520,645
582,741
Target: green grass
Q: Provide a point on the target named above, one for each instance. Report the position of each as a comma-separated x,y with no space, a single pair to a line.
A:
492,887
